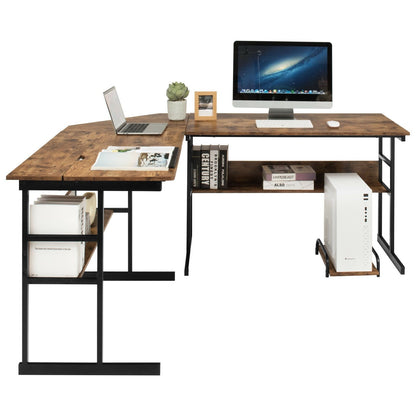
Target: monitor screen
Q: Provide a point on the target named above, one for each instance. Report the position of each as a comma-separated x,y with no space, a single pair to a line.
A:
282,74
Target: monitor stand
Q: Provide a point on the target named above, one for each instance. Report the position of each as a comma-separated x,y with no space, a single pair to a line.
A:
281,114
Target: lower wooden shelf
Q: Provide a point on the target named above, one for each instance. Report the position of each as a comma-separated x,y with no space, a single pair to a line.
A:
246,176
331,268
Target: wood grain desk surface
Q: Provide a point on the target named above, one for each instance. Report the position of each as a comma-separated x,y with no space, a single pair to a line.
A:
70,154
352,125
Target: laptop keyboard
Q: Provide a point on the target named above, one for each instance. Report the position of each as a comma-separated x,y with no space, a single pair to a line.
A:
135,127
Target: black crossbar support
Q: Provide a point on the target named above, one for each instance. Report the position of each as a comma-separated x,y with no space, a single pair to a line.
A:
385,159
110,369
90,278
151,276
90,185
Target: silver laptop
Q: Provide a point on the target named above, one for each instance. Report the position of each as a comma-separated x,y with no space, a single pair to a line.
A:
119,121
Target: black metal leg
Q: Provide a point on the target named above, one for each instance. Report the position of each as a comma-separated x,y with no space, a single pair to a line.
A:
188,205
392,190
377,261
319,245
100,275
388,247
130,230
380,179
25,270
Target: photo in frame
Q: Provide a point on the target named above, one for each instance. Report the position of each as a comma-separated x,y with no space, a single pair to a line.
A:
205,105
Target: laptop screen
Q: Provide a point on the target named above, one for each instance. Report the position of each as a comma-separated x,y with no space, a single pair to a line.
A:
114,107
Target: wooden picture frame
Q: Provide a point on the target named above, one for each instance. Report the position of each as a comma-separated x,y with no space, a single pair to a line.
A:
205,105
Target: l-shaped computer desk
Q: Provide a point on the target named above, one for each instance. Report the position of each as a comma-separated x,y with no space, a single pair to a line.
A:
64,164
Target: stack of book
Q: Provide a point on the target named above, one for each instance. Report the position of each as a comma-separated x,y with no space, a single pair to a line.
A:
210,166
290,177
57,214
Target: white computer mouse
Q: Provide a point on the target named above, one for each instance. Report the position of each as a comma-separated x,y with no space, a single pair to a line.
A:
333,123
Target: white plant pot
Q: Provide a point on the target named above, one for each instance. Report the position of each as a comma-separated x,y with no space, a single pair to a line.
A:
177,110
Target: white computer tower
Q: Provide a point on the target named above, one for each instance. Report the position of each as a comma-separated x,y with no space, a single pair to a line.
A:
347,225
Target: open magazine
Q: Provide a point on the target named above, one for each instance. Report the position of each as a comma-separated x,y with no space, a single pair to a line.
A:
136,158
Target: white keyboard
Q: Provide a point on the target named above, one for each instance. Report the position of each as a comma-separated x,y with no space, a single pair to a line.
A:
284,124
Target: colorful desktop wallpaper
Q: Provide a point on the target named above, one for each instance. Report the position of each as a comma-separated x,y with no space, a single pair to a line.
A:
282,69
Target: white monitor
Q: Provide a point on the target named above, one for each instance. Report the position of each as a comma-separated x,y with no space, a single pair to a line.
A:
282,76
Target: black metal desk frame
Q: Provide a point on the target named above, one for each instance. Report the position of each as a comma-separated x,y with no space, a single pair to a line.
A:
388,247
96,278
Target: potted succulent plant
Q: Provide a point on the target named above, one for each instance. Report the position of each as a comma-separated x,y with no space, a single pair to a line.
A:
176,93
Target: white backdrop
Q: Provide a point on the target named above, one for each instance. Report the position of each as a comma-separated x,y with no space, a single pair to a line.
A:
256,328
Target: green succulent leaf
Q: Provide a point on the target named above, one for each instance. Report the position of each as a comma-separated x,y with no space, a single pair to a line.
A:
177,91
